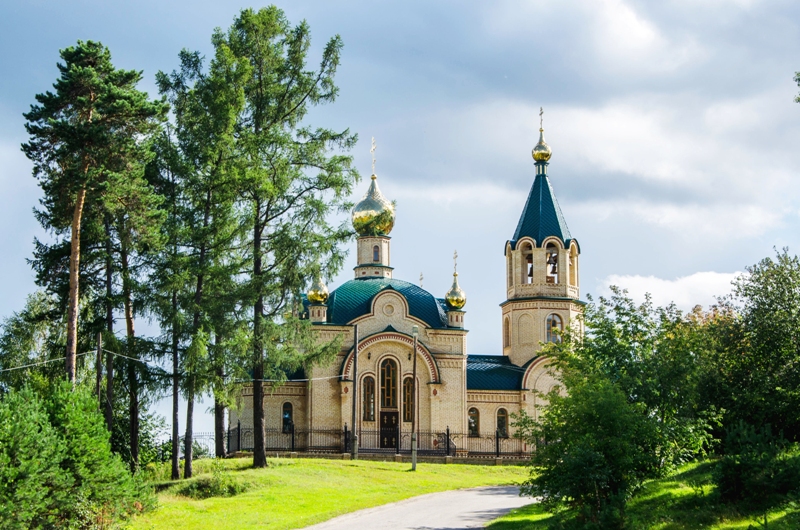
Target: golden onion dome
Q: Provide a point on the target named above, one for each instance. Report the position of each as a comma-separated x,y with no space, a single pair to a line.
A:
374,215
318,293
455,297
541,151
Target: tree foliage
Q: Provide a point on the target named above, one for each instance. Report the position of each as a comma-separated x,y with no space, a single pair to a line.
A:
56,465
629,407
755,368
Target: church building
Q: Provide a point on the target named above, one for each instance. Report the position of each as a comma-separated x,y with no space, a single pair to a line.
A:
469,394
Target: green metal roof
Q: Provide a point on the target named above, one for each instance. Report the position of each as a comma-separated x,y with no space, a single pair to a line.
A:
542,217
354,299
493,372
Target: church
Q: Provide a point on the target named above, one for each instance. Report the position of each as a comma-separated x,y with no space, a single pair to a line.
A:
387,324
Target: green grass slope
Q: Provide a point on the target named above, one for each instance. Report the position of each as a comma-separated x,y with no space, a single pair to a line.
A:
686,500
293,493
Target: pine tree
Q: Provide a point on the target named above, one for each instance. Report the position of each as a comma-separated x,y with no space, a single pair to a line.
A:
84,138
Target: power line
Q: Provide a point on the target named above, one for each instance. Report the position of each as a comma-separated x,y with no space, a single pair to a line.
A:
42,362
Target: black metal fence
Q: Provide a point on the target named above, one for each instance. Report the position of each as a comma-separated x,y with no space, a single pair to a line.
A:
430,443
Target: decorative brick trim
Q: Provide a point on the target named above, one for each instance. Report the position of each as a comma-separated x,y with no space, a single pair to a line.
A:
535,365
395,337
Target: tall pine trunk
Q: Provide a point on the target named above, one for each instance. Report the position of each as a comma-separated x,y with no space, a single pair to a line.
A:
220,443
188,455
259,446
198,299
133,381
74,271
176,470
109,328
220,449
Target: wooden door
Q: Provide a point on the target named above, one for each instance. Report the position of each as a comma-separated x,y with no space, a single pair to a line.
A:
389,422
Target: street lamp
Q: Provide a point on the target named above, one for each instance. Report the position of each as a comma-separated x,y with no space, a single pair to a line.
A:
354,398
413,404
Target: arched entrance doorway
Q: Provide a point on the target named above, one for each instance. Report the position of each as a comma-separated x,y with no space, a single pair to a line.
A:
389,418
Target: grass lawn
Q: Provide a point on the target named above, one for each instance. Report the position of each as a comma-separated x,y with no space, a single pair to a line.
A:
292,493
682,501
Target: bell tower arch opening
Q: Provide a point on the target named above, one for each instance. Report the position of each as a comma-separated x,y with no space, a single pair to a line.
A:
551,254
526,252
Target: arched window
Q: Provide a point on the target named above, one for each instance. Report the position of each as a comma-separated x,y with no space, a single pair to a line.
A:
288,417
408,399
369,399
554,323
509,275
388,384
506,333
502,423
552,263
474,422
573,266
376,253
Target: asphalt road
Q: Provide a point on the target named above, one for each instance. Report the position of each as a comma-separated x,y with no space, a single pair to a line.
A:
448,510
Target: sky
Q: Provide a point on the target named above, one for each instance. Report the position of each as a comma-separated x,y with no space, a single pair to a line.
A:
673,127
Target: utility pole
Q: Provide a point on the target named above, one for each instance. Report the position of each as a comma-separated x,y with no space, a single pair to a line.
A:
413,404
354,429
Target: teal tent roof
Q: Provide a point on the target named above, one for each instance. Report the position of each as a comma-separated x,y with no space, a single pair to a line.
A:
542,217
493,372
354,298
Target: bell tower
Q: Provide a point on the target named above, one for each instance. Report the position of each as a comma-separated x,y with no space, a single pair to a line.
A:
542,285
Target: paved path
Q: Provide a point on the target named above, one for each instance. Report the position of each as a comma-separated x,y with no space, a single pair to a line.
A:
448,510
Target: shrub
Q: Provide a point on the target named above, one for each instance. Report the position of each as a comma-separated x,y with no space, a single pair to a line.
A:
56,464
219,484
594,451
757,466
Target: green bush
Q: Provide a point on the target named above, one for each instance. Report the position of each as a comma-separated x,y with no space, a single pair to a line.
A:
219,484
757,466
594,450
56,465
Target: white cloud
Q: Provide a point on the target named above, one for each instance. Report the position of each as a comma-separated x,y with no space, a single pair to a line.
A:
722,169
616,38
626,41
700,288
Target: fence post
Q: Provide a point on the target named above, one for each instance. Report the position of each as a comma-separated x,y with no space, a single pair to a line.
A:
397,449
229,440
291,426
239,435
346,440
447,440
497,443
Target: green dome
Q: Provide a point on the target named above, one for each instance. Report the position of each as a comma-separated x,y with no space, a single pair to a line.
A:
354,299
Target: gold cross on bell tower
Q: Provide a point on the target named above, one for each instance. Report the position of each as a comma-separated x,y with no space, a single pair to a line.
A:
541,118
455,261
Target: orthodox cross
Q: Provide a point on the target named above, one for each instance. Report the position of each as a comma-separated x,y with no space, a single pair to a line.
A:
455,261
541,118
420,279
373,154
